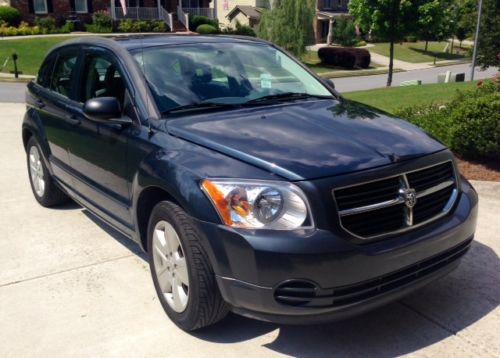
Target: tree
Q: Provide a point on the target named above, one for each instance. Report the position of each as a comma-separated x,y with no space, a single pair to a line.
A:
390,20
488,53
434,21
288,24
344,31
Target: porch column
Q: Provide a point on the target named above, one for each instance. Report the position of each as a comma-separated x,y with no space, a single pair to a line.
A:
159,9
113,9
329,38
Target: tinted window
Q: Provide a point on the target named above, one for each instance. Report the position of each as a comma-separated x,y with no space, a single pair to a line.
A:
101,78
43,78
64,72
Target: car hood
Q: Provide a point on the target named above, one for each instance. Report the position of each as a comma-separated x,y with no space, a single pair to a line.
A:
307,139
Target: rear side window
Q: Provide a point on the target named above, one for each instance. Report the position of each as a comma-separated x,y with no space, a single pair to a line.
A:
64,73
43,78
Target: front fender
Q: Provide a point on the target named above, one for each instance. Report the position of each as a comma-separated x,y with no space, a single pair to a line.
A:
32,126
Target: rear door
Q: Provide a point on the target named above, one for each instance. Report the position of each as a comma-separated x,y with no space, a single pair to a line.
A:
55,96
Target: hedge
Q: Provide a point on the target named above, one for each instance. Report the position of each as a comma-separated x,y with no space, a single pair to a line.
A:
346,57
11,16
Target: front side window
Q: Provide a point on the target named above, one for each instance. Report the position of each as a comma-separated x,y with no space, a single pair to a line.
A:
64,72
101,78
81,6
40,6
233,74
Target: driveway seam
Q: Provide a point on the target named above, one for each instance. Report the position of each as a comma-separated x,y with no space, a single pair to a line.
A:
446,328
67,270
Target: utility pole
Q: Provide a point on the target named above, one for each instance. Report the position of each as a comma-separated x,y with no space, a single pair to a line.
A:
476,40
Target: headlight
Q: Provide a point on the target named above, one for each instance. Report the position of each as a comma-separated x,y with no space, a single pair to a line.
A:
257,204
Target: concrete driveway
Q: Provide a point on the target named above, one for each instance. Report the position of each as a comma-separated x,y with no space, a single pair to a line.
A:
70,286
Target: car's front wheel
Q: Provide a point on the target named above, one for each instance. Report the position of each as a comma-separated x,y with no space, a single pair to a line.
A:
183,277
42,184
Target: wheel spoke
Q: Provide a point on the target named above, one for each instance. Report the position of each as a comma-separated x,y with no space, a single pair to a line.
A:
181,271
165,281
179,297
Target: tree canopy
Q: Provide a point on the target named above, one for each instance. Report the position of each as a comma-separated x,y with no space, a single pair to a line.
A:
288,24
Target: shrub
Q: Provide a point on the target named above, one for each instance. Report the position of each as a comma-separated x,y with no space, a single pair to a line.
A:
47,24
239,30
101,23
197,20
11,16
67,28
361,43
411,38
344,31
206,29
344,57
469,124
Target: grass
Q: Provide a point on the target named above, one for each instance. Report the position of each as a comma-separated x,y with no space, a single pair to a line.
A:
415,51
391,99
31,52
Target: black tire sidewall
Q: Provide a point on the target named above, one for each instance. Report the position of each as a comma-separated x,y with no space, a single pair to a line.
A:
187,319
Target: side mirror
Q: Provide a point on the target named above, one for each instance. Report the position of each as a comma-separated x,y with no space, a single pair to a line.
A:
104,110
329,82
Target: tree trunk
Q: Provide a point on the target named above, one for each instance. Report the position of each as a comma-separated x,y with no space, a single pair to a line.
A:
452,43
391,63
426,45
460,44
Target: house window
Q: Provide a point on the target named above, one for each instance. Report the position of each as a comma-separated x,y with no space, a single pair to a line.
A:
40,6
81,6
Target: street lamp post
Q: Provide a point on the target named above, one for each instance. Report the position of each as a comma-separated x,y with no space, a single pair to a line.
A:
476,40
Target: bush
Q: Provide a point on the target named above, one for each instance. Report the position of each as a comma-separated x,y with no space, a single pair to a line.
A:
11,16
240,29
67,28
206,29
197,20
469,124
344,31
344,57
47,24
101,23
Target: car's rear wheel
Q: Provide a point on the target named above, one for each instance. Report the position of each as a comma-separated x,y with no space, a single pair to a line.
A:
183,277
42,185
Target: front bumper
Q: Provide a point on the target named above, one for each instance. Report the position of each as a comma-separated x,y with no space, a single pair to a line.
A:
251,265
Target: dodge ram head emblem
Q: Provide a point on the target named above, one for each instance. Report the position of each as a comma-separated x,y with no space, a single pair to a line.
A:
410,197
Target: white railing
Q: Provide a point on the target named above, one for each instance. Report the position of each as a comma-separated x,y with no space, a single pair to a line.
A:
167,17
200,11
135,13
183,17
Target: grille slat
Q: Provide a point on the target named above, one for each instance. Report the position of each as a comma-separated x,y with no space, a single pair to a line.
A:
385,215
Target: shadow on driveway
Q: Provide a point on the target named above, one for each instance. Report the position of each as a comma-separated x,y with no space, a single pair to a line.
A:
424,318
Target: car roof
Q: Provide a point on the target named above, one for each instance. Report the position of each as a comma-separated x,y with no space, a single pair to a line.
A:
133,42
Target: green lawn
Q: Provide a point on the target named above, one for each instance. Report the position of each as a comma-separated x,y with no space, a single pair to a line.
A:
415,51
390,99
31,52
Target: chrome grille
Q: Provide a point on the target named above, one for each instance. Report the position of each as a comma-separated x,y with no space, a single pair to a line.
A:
399,203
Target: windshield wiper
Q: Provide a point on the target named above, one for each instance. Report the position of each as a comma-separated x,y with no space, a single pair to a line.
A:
285,96
200,106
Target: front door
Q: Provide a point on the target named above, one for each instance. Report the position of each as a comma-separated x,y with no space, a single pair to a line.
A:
98,154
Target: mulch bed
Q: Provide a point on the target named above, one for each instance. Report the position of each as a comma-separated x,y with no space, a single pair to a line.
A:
489,171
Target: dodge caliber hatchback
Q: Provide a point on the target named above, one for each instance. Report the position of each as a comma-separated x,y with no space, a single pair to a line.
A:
252,185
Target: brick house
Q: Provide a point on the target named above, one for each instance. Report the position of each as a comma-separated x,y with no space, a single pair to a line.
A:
171,11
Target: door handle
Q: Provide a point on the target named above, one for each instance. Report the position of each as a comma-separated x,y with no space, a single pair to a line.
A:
39,103
72,119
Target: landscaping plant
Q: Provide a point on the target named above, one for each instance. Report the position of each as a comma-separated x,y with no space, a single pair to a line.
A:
11,16
344,32
469,124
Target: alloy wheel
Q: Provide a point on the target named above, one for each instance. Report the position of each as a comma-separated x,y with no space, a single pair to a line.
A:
36,171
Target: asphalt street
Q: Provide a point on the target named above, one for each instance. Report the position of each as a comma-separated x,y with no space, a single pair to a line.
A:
70,286
14,92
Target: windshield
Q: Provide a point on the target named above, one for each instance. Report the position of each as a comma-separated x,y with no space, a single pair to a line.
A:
226,74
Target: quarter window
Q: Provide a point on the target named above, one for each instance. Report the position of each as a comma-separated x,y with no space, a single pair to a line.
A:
43,78
64,73
40,6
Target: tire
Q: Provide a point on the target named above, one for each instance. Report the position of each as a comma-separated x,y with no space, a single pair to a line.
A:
44,189
204,305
